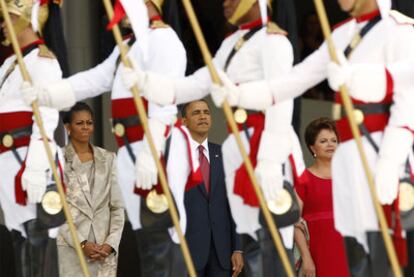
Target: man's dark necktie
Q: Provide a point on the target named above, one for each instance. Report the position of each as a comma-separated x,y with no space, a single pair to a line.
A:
205,167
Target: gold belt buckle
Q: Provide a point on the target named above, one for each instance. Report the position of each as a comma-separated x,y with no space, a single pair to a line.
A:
406,196
281,204
51,202
156,203
7,140
119,130
240,115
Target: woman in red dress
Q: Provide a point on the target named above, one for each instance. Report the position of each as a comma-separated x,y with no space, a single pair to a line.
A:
324,255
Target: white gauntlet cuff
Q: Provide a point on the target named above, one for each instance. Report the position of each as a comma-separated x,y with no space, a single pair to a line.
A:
158,89
275,147
255,96
59,95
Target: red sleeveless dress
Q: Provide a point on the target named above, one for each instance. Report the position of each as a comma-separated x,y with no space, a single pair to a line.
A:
325,243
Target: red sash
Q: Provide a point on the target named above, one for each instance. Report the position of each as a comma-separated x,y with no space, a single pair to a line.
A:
242,184
125,108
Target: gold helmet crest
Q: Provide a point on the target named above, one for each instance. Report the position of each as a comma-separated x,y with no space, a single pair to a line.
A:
157,3
23,9
243,7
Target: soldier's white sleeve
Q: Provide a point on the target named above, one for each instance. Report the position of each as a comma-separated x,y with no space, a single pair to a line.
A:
170,61
44,71
34,178
95,81
402,74
163,89
398,138
275,144
277,58
303,76
401,49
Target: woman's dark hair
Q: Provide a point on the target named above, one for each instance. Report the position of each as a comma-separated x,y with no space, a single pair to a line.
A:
78,107
315,127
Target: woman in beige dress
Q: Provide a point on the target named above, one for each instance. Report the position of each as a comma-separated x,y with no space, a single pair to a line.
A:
94,200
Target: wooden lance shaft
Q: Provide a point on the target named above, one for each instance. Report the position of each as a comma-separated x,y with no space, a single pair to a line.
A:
144,121
233,126
355,132
39,123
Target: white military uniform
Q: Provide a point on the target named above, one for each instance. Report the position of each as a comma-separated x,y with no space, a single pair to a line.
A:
387,42
166,56
42,71
263,56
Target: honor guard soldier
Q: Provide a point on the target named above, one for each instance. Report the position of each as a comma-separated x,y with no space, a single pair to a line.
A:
258,49
372,34
146,208
28,194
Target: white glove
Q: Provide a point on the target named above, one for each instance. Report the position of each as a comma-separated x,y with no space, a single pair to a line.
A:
146,170
37,171
35,183
339,74
395,148
59,95
270,177
255,95
228,91
29,92
133,76
154,87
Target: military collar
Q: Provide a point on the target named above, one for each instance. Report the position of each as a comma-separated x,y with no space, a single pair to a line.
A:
26,49
367,16
156,18
252,24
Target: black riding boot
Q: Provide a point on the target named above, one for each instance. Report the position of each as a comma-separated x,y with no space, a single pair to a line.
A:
272,264
380,267
18,245
36,256
358,260
253,259
409,270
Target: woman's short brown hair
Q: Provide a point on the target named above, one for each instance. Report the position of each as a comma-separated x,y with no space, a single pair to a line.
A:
315,127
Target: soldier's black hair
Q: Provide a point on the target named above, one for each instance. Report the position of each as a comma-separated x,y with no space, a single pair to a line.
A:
185,106
78,107
54,38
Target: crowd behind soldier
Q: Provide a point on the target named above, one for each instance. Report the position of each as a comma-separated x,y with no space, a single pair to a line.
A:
255,65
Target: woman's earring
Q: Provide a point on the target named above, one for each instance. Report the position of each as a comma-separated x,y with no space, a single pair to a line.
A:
68,133
314,155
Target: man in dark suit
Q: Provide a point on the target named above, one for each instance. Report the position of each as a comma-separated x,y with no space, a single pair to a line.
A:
211,236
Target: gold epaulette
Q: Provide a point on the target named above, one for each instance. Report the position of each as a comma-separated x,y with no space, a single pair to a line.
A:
156,24
45,52
273,28
401,18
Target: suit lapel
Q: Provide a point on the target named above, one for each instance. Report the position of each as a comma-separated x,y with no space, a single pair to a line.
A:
214,166
99,177
74,163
